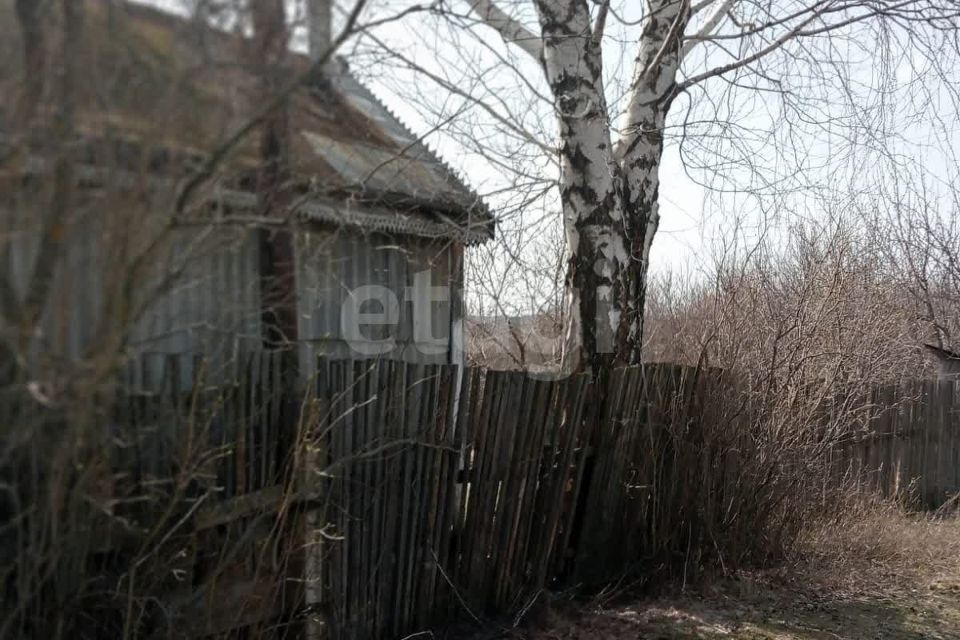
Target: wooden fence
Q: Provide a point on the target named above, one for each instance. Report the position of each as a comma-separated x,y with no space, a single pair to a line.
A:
445,503
470,504
910,445
424,493
167,414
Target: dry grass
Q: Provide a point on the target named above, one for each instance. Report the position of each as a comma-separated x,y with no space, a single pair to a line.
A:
878,546
877,573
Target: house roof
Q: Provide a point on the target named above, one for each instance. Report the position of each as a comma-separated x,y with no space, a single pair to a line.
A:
943,354
178,88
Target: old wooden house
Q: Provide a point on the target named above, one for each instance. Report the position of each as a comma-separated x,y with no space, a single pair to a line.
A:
363,203
177,190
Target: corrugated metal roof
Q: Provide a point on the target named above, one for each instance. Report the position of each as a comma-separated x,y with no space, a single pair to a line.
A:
171,87
374,218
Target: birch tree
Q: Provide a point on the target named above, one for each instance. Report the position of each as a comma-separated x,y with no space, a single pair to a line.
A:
607,151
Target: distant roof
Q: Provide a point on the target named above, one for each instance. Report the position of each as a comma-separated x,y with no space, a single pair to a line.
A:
178,87
945,354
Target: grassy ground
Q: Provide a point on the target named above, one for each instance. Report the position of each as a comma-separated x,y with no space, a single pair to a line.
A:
886,576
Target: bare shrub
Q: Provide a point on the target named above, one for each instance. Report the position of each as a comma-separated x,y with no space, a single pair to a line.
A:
119,523
792,334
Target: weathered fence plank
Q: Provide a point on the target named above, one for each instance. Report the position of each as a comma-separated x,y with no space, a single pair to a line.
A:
449,492
911,448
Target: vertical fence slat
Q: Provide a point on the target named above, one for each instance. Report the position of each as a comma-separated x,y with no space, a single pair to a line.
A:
443,496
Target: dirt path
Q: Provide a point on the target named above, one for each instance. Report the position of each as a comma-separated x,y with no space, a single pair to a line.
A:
886,581
754,610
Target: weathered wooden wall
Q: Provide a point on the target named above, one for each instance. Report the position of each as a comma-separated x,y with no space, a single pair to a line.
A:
204,295
335,265
910,444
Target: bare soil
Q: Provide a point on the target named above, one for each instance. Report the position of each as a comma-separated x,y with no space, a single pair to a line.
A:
888,576
755,609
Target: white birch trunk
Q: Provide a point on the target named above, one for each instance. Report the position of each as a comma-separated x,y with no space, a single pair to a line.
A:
640,148
609,196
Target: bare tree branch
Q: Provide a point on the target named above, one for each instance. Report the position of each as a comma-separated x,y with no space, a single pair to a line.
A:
216,157
510,29
708,26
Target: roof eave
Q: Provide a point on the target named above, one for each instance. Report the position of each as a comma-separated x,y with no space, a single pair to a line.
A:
371,217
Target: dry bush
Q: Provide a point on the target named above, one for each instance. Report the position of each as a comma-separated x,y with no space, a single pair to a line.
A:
129,519
816,305
916,236
796,333
745,474
877,545
527,343
94,532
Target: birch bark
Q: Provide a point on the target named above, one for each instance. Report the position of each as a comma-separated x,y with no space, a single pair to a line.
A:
609,194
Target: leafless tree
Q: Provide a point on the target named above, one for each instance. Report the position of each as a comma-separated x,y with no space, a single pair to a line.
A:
760,97
913,223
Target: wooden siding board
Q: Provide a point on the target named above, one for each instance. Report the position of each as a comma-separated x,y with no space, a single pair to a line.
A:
334,263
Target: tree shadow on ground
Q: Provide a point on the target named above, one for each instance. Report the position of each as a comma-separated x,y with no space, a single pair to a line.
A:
750,608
